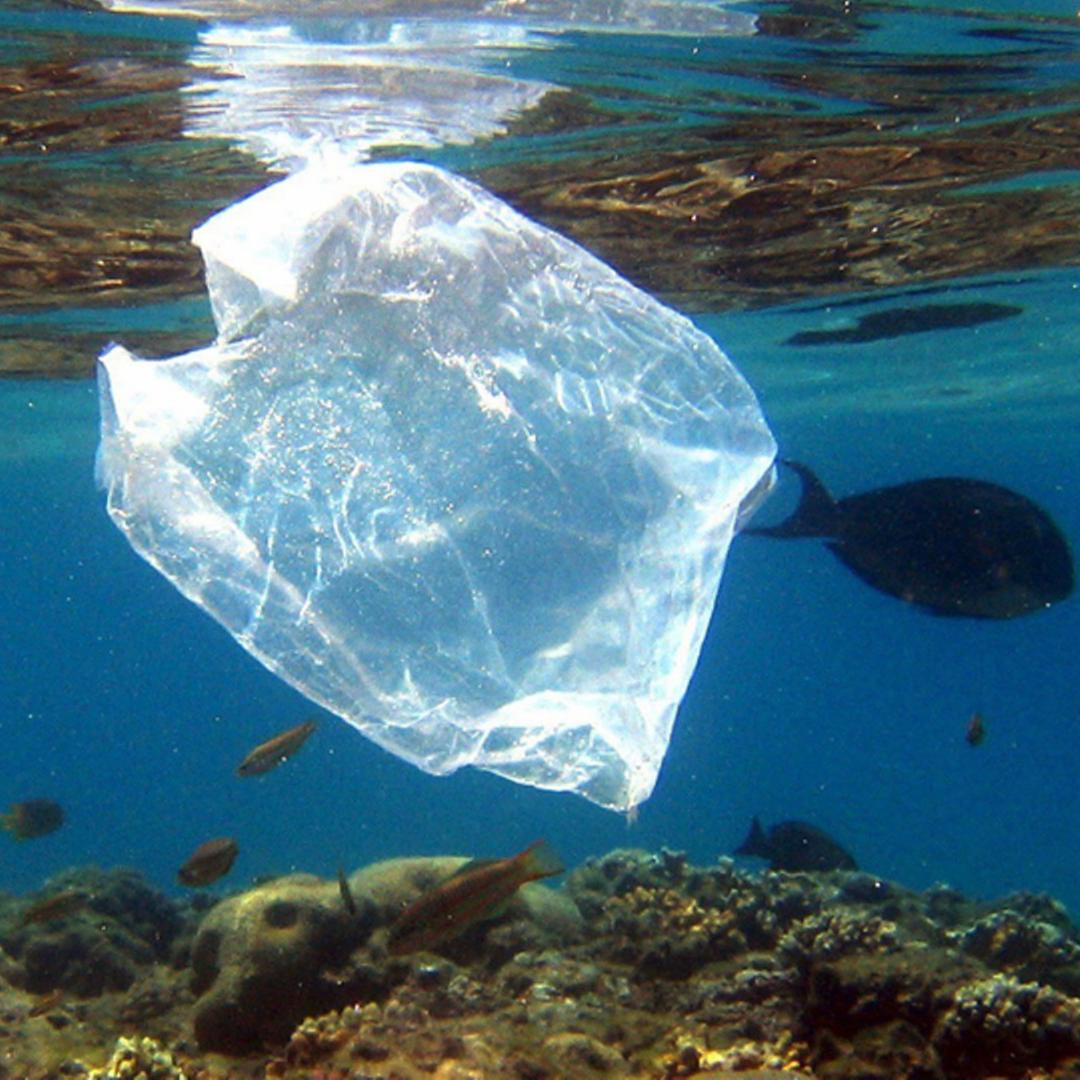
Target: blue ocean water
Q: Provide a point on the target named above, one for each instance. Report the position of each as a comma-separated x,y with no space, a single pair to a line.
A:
815,697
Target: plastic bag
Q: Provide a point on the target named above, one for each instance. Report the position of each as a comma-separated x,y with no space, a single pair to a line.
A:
444,472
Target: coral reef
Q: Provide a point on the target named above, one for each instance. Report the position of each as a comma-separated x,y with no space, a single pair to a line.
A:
120,926
264,960
641,965
139,1059
259,961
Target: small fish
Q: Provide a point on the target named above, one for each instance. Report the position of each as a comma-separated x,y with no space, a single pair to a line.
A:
795,845
45,1003
480,890
33,818
347,897
273,752
976,730
208,862
57,906
948,545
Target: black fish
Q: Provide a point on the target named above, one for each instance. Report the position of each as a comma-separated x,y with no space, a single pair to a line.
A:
33,818
898,321
975,734
794,845
949,545
347,898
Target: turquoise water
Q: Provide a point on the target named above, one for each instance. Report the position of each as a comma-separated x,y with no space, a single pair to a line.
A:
815,697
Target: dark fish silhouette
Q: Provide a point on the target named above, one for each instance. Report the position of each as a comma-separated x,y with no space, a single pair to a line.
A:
347,898
794,845
976,730
33,818
899,321
949,545
208,862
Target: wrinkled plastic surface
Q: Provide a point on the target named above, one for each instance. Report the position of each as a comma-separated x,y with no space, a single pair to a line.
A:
444,472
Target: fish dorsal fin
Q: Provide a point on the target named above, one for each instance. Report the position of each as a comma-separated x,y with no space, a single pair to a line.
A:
814,516
755,842
469,867
536,861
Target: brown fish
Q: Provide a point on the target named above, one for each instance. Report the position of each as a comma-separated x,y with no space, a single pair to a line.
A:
45,1003
33,818
208,862
976,730
479,890
57,906
273,752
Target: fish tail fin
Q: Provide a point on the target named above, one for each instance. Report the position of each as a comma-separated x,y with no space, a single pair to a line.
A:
814,516
755,842
539,860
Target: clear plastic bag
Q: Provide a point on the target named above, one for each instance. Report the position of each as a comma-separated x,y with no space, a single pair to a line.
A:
444,472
